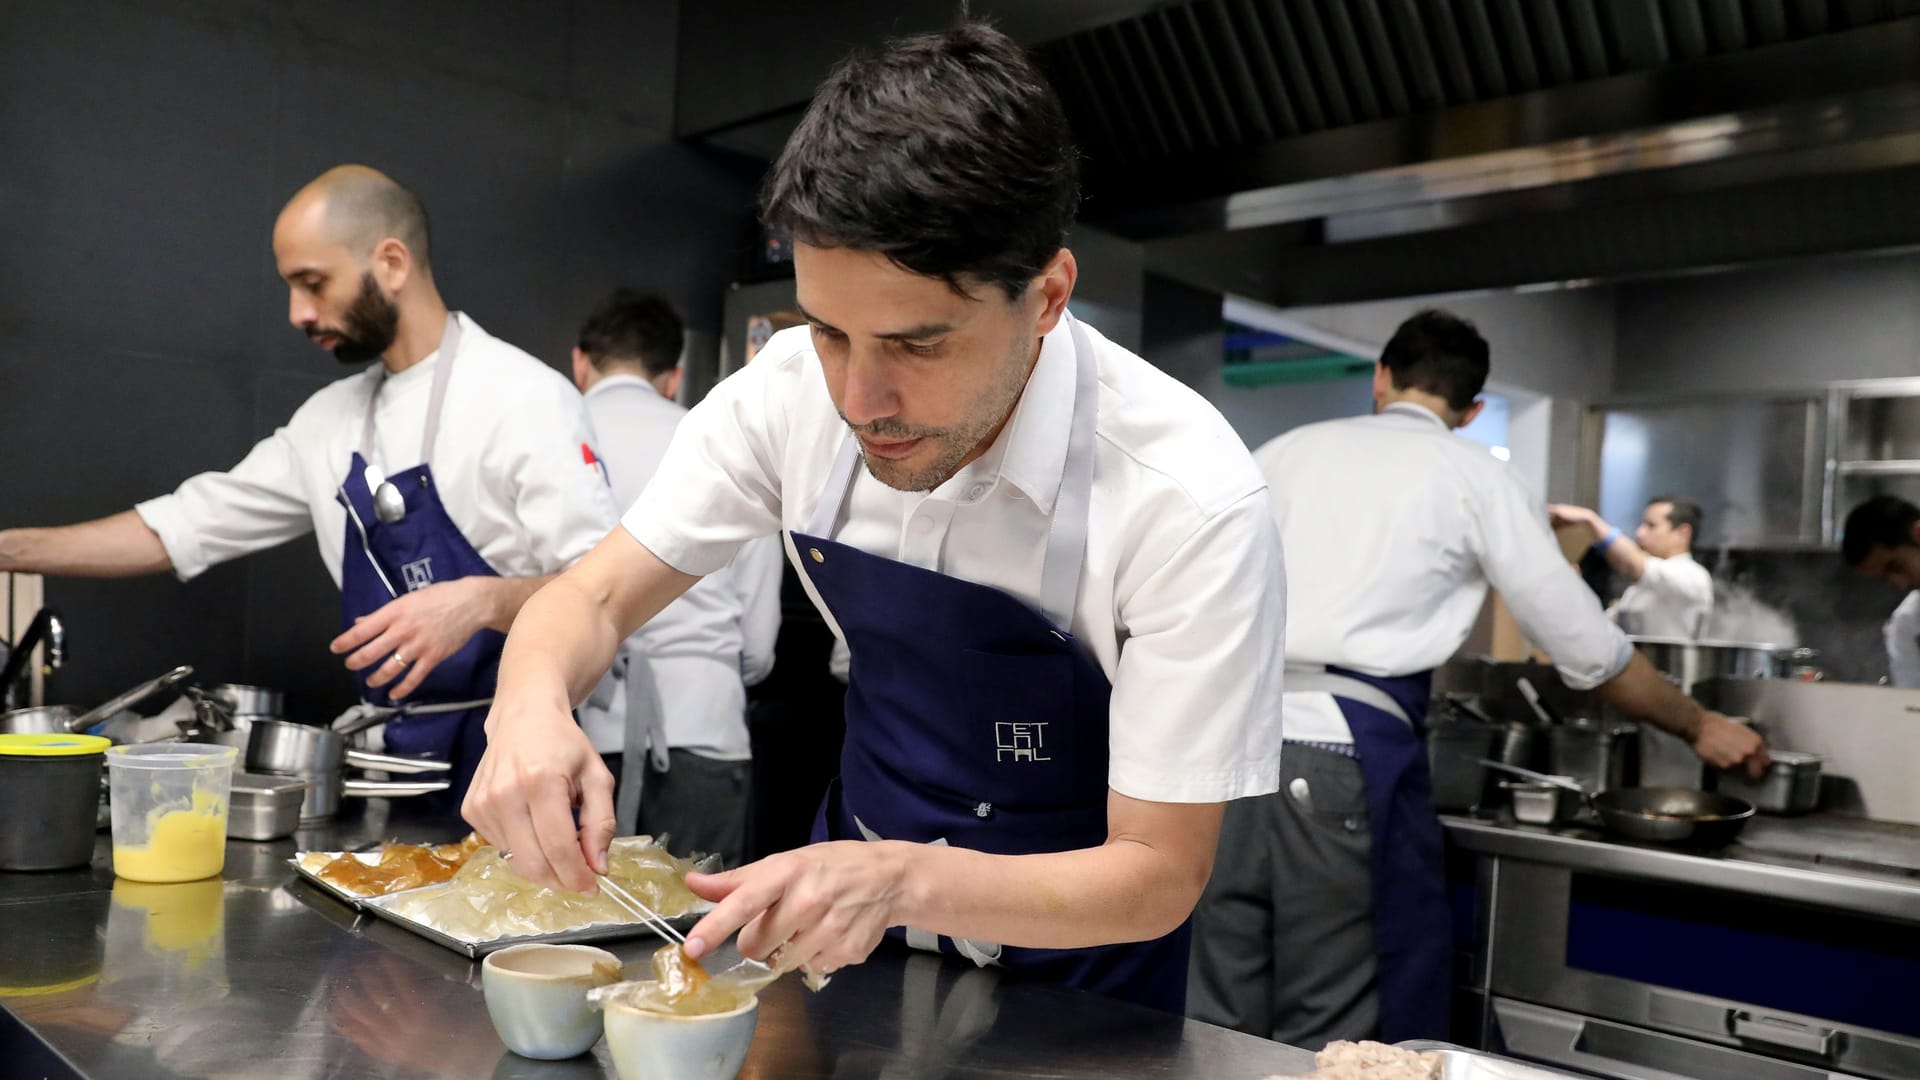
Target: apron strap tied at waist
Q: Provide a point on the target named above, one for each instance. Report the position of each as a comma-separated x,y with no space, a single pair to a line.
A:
1315,678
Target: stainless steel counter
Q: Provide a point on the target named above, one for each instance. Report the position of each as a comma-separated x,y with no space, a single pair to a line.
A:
1827,860
259,974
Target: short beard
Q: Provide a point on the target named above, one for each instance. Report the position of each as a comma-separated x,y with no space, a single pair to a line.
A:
369,327
954,443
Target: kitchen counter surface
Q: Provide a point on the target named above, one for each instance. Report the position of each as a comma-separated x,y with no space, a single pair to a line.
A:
1827,860
258,973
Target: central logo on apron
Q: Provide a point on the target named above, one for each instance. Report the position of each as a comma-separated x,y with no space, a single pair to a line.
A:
418,574
1020,742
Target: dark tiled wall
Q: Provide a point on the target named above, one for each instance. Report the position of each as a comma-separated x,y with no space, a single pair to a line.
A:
145,146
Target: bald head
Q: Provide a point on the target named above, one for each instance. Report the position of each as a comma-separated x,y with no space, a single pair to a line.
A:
358,207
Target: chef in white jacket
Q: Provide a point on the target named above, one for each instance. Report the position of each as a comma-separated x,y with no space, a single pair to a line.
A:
1881,538
684,748
444,480
1326,914
1669,595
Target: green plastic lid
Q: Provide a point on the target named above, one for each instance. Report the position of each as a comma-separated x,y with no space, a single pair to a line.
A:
51,745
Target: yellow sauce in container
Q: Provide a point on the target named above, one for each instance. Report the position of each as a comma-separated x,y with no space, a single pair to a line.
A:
182,844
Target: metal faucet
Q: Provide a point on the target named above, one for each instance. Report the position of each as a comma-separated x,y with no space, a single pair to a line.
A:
47,628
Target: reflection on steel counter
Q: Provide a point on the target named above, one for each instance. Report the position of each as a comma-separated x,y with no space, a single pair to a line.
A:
320,993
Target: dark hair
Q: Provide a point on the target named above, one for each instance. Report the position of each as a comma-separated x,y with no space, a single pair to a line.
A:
947,153
1680,511
629,327
1439,353
1883,521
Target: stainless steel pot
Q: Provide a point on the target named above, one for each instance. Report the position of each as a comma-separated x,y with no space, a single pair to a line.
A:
1691,663
253,701
38,720
1601,756
1659,815
1790,786
319,756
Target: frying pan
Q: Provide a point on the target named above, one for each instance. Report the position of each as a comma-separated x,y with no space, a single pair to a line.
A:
1660,815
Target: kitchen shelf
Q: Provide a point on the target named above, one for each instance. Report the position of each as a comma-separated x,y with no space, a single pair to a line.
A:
1903,467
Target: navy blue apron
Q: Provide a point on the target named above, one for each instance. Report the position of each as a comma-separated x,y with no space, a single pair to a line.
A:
975,720
442,719
1412,944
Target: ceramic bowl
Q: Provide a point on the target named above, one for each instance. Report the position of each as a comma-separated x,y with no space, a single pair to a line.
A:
537,997
649,1045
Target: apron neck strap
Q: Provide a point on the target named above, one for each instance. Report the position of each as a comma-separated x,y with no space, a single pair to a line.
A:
443,370
1066,528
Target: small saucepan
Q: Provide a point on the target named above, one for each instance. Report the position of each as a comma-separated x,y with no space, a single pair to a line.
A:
1660,815
319,756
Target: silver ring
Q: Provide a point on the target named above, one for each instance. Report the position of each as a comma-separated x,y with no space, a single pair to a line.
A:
506,853
401,660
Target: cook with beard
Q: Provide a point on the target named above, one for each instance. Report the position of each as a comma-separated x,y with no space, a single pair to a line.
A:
444,484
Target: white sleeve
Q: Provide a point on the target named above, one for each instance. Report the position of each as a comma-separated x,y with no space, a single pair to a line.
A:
1195,714
719,484
561,502
1553,606
1672,580
1903,644
756,575
214,517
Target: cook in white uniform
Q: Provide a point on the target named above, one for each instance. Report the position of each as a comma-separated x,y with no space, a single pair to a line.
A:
1669,595
685,746
1881,538
1393,529
1055,565
507,460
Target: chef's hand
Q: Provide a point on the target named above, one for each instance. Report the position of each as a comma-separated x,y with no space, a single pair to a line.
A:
1575,517
538,766
409,636
1726,745
821,907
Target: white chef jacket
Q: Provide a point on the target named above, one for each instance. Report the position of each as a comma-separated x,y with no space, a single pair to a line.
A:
1393,529
717,639
1903,643
1181,596
509,463
1672,599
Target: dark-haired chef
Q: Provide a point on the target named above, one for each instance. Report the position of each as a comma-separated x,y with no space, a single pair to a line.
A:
1327,914
1668,594
1881,539
443,483
1053,563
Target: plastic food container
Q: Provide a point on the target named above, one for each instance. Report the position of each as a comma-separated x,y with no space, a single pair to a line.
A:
49,800
170,810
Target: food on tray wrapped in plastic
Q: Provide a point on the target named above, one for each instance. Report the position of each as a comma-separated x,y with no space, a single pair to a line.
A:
399,866
1371,1061
487,900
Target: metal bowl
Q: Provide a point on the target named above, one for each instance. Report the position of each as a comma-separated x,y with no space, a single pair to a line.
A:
38,720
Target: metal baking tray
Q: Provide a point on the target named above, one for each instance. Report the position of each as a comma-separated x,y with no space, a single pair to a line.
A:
379,907
1460,1063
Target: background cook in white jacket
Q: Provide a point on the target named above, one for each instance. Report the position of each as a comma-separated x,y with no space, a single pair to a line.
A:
1669,595
682,735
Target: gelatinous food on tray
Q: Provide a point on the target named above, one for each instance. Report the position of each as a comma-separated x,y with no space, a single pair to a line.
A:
487,900
399,866
1372,1061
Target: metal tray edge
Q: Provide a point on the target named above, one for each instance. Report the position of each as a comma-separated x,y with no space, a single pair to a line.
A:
474,950
355,901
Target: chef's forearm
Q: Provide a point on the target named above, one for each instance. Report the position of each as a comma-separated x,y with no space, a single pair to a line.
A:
118,546
1643,693
507,595
1124,890
1626,558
